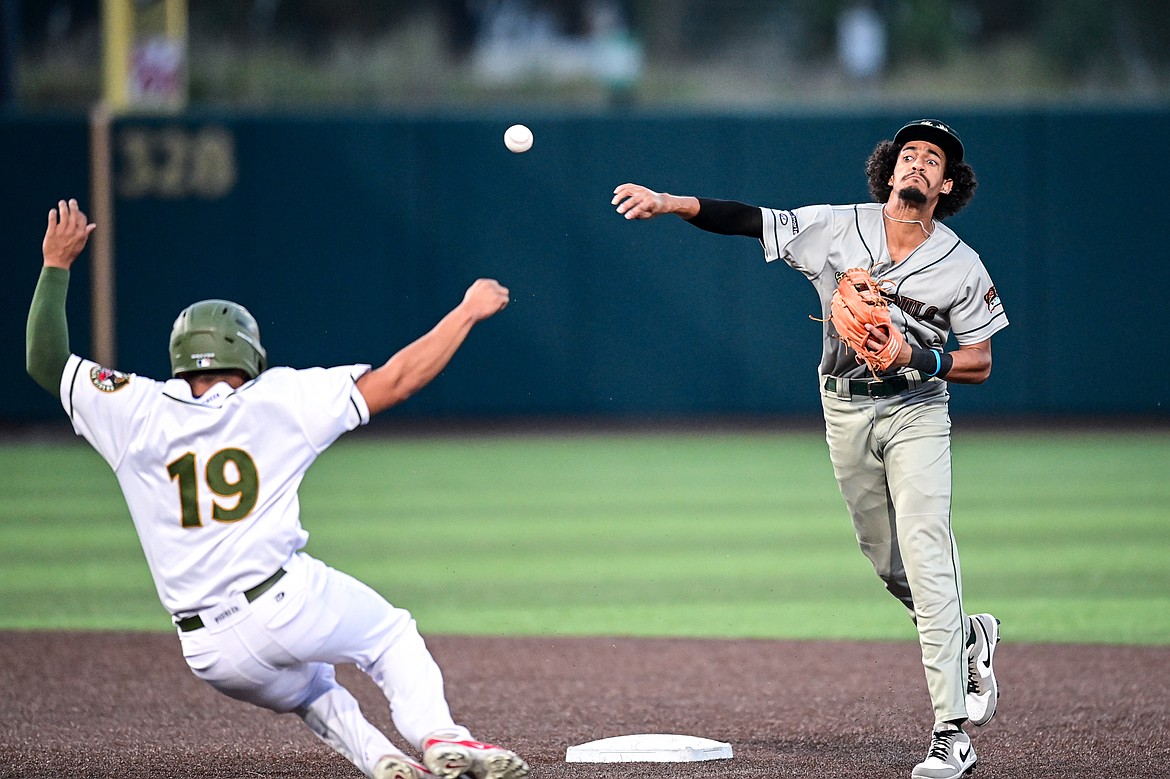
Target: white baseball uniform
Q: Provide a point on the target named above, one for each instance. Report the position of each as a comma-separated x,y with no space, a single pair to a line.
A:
891,454
211,484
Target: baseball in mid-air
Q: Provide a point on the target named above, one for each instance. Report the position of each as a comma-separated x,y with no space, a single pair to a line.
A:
518,138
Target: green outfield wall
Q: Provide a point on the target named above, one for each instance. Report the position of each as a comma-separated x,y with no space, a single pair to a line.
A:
349,235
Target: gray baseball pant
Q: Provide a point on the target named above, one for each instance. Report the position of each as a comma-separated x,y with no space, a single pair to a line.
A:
892,460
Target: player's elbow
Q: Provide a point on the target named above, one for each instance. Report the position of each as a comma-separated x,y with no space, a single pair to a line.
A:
388,386
44,371
381,390
978,371
972,364
985,368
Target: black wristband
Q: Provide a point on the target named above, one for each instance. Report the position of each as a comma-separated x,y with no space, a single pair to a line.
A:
930,362
946,362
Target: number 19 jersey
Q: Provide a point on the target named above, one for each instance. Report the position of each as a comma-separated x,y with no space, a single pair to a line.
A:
211,482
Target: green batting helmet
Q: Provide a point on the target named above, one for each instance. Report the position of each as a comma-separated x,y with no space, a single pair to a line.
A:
217,335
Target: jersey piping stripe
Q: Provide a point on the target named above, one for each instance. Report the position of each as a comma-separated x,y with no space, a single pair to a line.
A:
183,401
73,386
775,232
196,402
924,268
983,326
357,410
962,669
861,236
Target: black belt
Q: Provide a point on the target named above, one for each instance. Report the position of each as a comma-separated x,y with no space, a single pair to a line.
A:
876,388
187,624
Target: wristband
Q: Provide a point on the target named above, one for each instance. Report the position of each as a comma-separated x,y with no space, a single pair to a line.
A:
931,363
946,361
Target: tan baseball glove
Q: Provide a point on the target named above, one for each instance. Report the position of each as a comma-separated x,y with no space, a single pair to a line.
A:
856,303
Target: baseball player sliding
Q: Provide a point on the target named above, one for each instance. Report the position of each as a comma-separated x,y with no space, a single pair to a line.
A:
883,386
210,462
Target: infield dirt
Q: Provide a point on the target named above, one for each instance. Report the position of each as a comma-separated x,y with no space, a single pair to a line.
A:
106,704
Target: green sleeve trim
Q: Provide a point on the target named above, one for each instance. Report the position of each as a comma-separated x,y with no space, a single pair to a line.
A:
47,336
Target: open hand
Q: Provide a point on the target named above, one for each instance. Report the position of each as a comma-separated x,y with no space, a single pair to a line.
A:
66,235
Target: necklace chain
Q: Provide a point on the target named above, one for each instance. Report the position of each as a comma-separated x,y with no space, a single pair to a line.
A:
907,221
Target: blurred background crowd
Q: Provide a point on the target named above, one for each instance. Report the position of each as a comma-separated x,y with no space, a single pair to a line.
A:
723,54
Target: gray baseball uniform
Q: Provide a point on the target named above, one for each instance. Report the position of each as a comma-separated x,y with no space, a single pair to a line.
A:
891,455
888,427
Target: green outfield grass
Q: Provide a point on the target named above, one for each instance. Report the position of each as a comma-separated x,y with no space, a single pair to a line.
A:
1064,536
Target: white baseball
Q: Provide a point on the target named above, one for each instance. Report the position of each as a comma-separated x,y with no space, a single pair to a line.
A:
518,138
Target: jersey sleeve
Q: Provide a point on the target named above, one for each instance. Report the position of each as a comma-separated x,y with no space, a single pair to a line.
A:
977,313
106,407
800,237
329,402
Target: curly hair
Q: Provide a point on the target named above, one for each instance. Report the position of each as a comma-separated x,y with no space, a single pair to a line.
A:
880,166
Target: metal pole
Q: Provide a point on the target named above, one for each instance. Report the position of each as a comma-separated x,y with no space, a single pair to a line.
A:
117,40
102,291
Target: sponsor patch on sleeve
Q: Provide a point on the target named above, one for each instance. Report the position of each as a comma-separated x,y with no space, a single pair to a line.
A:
786,218
108,380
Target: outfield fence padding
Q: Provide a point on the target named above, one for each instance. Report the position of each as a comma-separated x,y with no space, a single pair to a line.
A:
348,235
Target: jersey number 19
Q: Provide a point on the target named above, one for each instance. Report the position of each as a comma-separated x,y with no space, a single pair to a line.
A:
230,473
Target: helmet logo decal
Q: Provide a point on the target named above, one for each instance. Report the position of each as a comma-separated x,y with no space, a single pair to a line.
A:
107,380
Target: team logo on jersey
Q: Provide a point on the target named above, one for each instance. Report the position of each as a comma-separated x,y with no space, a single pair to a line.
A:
107,380
911,307
991,298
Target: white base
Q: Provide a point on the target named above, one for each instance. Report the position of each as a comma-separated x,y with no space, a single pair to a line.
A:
649,748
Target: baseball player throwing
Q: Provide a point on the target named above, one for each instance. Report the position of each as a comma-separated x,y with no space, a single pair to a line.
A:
210,462
888,428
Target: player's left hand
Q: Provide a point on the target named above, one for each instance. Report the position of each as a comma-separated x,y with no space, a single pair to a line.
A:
880,336
66,235
861,317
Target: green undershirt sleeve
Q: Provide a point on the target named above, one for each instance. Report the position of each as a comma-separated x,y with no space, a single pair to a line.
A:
47,336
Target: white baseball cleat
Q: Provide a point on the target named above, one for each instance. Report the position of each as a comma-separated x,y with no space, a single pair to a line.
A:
950,757
448,759
400,767
982,688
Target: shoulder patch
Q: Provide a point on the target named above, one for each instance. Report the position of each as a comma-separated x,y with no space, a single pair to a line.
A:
108,380
991,298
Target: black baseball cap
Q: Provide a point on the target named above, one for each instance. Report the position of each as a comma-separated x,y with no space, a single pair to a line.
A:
932,131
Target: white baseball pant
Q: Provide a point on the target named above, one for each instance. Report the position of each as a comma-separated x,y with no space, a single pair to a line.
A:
278,652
